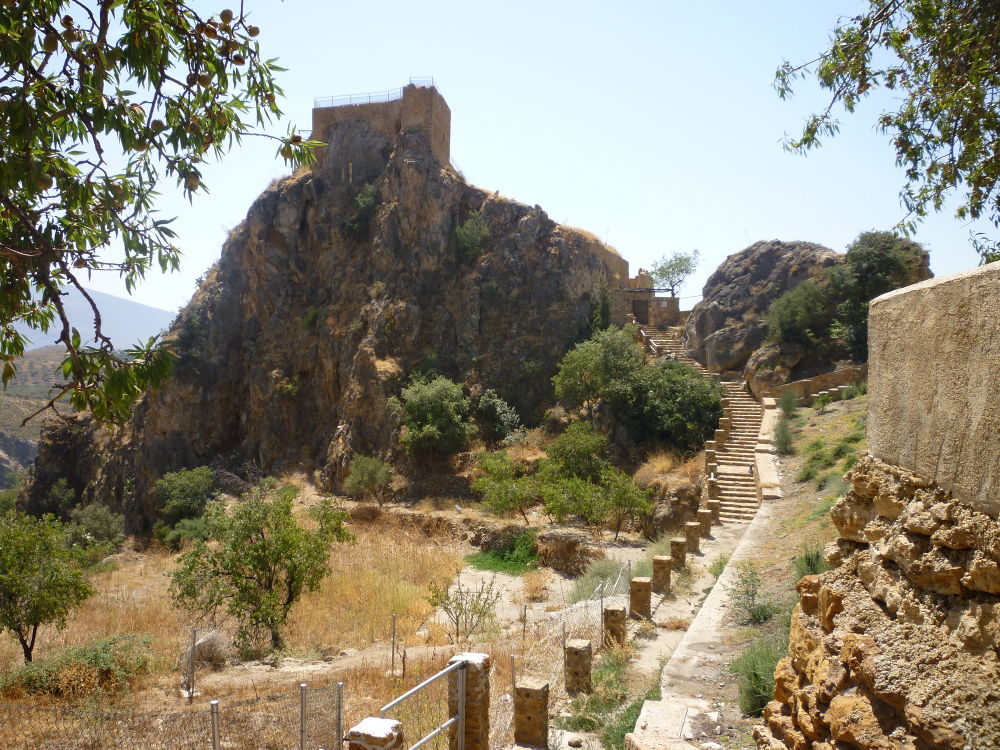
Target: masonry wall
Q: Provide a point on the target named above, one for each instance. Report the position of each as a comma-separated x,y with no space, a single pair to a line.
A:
934,381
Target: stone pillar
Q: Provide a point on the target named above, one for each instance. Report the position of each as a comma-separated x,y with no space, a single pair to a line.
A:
715,507
661,574
725,424
692,530
531,713
712,485
477,701
711,468
614,625
579,660
710,445
678,552
705,520
639,595
374,733
710,455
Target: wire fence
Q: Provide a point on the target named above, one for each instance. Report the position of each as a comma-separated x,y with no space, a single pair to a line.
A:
369,97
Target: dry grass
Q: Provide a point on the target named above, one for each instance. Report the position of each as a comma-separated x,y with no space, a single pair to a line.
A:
676,623
535,584
657,466
530,449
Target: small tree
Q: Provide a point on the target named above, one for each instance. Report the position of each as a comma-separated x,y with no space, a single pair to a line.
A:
468,609
434,413
185,493
496,418
571,496
503,490
579,452
624,500
471,235
670,273
368,477
259,563
39,581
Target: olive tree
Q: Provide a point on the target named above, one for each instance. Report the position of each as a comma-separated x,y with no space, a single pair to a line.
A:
40,582
670,273
941,61
258,562
102,102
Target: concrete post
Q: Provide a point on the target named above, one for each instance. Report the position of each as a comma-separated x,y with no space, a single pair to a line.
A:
579,660
374,733
712,486
719,436
661,574
477,701
639,595
614,625
705,519
710,455
531,713
711,468
678,552
715,507
725,424
711,445
692,530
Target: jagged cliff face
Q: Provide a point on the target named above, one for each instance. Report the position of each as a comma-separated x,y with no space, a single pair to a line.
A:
295,341
726,327
898,647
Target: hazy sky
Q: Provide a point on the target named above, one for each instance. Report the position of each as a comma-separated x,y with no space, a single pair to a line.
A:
651,124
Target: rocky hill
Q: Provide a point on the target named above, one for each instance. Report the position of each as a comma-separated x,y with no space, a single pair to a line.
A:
725,327
326,298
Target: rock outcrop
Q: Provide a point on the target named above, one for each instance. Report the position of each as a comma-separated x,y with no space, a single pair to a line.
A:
320,308
899,647
725,328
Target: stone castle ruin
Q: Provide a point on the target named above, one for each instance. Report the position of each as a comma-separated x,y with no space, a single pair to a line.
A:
899,646
418,108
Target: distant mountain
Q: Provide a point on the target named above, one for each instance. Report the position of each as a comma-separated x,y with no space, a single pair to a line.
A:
122,320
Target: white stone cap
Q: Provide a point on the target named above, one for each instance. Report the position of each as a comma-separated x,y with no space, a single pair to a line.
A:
470,656
377,728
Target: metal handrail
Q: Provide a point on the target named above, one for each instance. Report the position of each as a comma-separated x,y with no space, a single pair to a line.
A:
369,97
458,718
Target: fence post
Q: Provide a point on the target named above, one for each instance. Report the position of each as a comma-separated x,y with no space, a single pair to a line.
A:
215,724
469,702
392,662
340,715
302,716
194,643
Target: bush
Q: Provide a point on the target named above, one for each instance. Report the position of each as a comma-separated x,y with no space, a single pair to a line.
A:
755,667
434,413
496,418
185,493
624,500
471,236
579,452
111,665
503,489
566,497
368,477
811,561
718,565
605,572
365,205
748,604
783,439
468,609
59,500
802,315
184,532
821,402
788,402
514,558
99,523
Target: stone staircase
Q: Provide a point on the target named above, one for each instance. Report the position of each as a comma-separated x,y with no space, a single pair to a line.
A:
732,452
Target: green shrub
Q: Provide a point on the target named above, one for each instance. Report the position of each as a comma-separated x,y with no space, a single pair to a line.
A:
823,508
579,452
504,490
434,413
568,497
806,474
821,402
746,601
311,317
368,477
624,500
8,500
59,500
788,402
810,561
802,315
849,462
182,533
755,667
514,558
365,205
815,445
471,236
185,493
783,439
718,565
111,665
496,418
606,572
99,523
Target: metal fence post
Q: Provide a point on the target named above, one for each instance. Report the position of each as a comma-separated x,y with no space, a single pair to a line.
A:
462,676
302,716
392,662
215,724
194,643
340,715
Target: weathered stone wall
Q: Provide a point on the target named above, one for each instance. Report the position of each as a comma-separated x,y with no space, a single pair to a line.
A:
934,359
898,647
850,375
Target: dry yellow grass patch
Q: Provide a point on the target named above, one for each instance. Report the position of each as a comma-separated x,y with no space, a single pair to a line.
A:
535,584
530,449
658,465
386,571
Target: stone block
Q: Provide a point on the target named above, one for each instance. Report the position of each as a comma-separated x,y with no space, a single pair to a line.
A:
715,507
712,487
705,521
661,574
579,661
639,596
531,713
477,701
692,532
374,733
678,552
614,625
